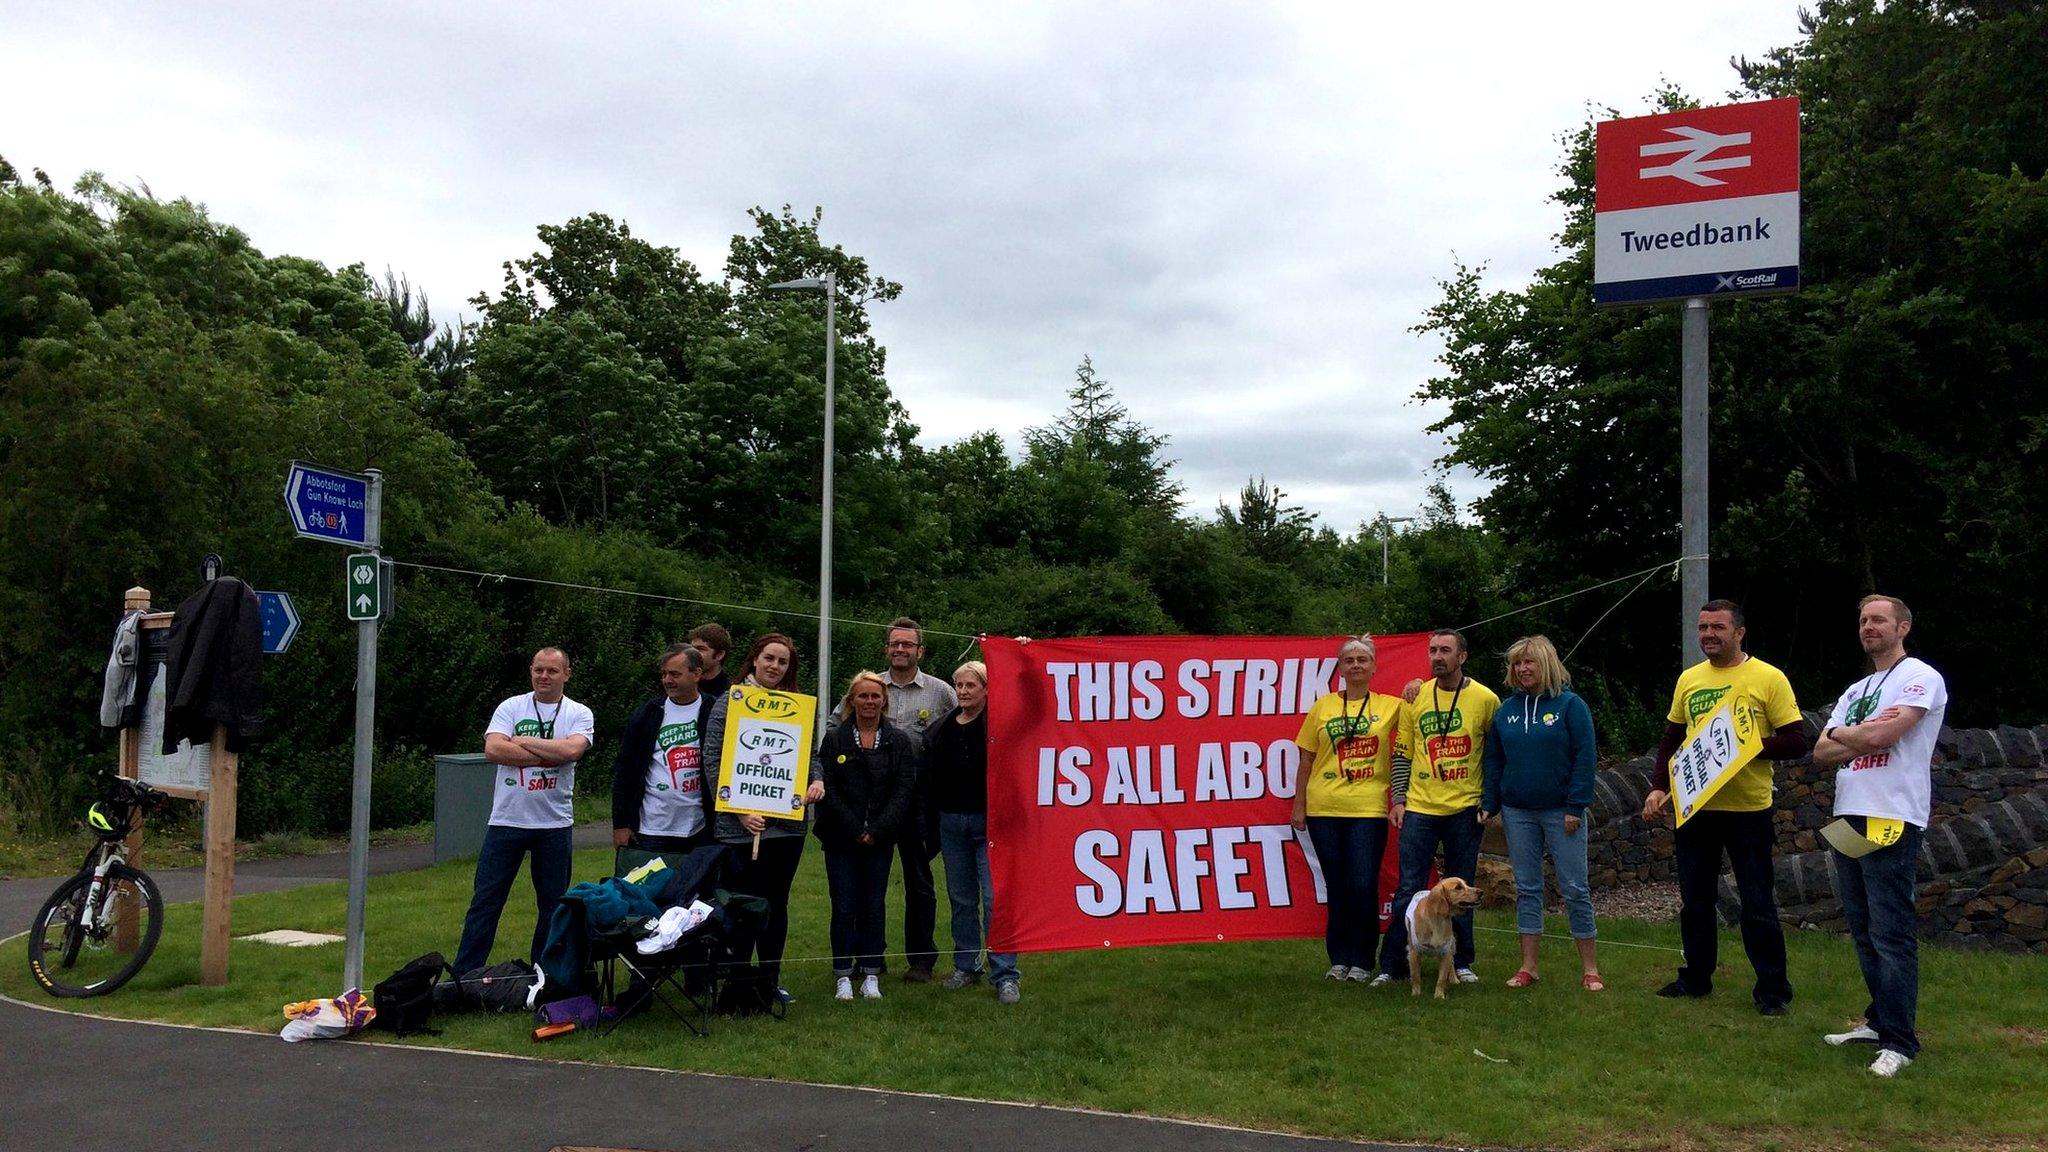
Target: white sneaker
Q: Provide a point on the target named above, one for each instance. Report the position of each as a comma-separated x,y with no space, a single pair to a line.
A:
870,988
1377,981
1889,1062
1860,1034
1467,976
843,988
1337,972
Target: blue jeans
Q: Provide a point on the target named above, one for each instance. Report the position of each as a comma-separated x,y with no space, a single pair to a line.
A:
1746,839
963,841
1877,901
496,867
1350,848
1530,831
1459,834
858,878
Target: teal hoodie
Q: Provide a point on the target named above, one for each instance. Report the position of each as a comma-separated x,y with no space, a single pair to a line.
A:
1539,754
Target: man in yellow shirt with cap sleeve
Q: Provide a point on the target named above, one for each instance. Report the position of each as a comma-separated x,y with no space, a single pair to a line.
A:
1736,820
1436,801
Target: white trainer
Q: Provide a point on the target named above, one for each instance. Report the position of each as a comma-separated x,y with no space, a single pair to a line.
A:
1377,981
842,989
1467,976
1337,972
1889,1062
870,988
1860,1034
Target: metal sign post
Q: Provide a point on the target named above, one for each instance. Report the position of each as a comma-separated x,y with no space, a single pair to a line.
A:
366,723
1689,205
1692,475
344,508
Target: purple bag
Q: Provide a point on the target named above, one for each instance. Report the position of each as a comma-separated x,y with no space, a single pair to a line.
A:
578,1010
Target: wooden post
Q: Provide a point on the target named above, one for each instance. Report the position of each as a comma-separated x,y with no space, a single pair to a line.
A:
128,926
220,863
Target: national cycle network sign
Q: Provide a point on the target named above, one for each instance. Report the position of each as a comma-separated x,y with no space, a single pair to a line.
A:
1697,203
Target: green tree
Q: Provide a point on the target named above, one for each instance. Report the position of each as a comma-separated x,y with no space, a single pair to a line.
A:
1098,430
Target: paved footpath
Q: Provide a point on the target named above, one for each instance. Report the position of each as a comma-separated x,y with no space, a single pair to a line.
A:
81,1083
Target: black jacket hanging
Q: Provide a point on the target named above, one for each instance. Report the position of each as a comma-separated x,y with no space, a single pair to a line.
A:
214,666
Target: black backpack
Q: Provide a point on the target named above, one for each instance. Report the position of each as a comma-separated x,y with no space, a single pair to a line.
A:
747,991
405,999
506,987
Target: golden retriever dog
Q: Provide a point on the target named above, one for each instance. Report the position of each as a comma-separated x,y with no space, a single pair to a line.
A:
1430,931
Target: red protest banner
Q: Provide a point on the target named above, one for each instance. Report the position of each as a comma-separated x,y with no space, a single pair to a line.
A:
1139,787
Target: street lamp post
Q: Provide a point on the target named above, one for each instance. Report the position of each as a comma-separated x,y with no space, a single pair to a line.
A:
1386,532
831,288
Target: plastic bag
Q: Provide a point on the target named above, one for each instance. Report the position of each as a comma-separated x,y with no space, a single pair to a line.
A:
327,1019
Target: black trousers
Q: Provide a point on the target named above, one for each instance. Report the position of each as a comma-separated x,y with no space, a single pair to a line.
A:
1745,838
920,900
769,877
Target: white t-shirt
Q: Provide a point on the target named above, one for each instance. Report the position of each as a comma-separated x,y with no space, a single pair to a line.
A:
673,802
1894,784
537,797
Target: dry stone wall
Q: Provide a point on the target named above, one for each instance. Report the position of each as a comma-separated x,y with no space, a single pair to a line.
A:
1983,870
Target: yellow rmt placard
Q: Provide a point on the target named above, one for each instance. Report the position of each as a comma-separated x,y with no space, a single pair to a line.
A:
764,766
1877,833
1724,742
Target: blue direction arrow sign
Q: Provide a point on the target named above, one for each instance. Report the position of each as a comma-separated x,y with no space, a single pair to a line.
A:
280,621
327,505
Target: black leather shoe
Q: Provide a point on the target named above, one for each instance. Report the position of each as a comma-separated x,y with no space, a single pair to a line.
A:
1773,1008
918,976
1678,989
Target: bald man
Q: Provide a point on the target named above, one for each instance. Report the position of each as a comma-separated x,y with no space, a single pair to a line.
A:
533,742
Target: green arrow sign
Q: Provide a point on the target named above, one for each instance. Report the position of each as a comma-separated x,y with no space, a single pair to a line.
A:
365,591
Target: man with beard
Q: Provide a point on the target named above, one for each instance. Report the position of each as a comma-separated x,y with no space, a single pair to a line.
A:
1736,819
1436,802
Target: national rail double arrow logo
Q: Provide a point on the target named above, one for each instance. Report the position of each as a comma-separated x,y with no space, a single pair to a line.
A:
1698,144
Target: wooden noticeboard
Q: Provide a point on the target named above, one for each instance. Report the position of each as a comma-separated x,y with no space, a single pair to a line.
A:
207,774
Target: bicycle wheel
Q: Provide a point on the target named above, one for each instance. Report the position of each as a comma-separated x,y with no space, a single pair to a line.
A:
70,960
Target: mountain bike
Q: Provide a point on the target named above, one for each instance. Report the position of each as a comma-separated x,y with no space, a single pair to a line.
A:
72,947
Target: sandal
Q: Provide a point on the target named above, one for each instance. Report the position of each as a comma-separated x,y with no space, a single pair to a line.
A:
1522,979
1591,982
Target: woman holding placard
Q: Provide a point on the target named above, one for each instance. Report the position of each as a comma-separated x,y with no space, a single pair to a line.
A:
769,872
1348,760
869,767
956,767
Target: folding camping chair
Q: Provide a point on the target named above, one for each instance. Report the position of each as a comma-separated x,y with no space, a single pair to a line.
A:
682,978
691,978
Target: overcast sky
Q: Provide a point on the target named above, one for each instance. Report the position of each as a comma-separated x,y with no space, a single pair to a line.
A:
1237,210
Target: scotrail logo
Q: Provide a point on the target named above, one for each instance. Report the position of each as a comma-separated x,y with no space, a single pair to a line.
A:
1698,144
1752,280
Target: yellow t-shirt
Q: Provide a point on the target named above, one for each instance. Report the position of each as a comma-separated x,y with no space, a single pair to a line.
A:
1760,689
1351,748
1446,740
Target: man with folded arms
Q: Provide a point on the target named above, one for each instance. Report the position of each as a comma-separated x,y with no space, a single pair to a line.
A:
1882,734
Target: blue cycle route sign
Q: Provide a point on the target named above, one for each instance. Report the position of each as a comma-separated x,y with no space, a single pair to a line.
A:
280,621
327,505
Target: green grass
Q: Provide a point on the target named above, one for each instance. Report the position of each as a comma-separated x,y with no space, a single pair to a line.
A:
1250,1034
178,845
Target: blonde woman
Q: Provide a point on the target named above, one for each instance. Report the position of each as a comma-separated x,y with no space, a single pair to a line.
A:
956,772
1539,778
1349,757
870,769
